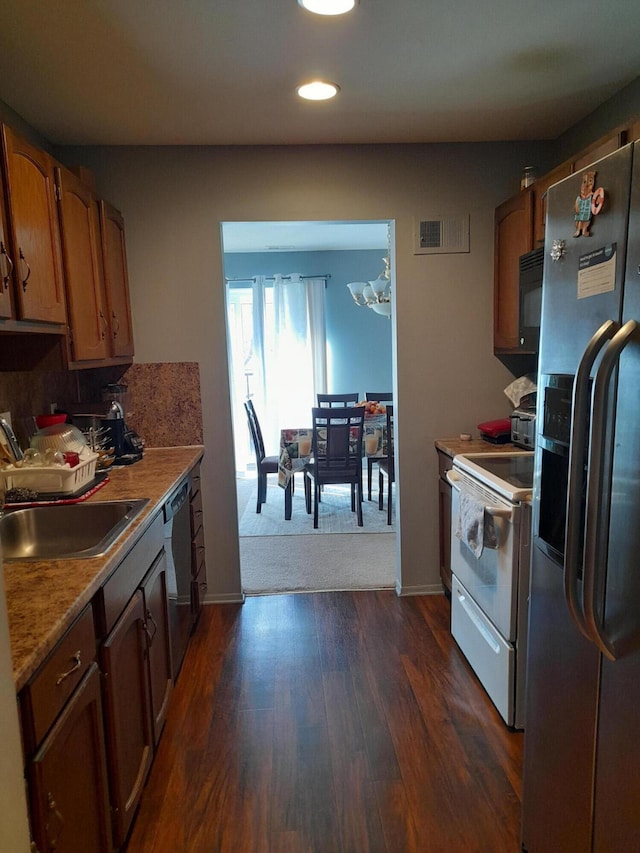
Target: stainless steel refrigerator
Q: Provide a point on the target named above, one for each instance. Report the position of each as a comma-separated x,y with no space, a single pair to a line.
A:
581,789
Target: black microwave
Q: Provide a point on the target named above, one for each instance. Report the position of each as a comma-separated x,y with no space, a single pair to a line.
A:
530,299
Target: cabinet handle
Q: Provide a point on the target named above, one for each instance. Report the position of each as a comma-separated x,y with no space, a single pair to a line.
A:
105,325
146,628
6,279
76,666
116,327
53,808
26,279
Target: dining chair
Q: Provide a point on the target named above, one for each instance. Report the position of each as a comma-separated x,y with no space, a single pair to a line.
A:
264,464
334,400
378,397
337,455
387,468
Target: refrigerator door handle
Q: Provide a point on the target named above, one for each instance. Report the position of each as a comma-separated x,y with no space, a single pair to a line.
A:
576,481
595,564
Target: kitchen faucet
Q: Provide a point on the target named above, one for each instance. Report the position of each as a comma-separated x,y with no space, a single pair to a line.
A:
12,441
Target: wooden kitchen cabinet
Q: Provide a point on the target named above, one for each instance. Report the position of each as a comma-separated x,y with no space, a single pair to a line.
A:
603,147
513,237
156,626
540,189
93,710
198,563
127,606
95,276
198,592
63,737
114,259
67,778
63,266
607,145
520,227
444,520
33,225
123,659
6,260
89,337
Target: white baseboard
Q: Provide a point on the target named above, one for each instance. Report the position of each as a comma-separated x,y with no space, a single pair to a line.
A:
225,598
425,589
239,597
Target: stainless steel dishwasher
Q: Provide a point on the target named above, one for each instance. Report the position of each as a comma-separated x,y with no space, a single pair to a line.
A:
177,544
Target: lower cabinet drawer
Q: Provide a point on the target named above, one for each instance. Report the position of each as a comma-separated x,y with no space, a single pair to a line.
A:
492,658
42,699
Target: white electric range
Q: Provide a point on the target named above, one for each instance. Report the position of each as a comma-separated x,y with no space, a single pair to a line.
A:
490,583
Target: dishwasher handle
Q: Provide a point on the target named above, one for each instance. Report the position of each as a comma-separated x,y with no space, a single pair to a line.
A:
176,501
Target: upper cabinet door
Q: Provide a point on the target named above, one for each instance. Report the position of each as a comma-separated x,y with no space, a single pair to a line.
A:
6,262
540,189
86,302
34,227
116,279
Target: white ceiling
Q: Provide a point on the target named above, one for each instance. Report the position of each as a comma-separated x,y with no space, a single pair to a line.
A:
217,72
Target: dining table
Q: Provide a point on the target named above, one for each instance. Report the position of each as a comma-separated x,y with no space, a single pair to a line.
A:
295,452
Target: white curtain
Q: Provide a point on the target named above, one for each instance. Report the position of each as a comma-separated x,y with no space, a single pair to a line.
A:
258,348
292,353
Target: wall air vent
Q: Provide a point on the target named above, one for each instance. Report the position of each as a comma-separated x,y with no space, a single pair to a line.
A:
441,235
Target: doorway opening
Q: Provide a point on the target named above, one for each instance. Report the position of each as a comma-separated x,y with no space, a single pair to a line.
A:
283,350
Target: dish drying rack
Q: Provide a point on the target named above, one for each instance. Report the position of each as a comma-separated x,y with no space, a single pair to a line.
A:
49,479
99,440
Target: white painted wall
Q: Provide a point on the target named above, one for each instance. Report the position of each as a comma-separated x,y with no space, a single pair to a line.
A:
173,200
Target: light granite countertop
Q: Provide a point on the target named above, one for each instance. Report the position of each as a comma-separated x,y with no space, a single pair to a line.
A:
43,598
453,446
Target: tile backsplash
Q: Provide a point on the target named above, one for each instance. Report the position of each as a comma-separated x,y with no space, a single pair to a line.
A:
164,398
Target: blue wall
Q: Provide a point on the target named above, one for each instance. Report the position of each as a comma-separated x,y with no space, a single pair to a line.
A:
358,339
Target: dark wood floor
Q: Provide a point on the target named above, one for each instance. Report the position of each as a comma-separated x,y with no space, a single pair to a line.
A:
331,722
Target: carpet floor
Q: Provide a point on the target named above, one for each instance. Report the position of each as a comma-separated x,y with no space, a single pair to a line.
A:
334,514
289,556
277,564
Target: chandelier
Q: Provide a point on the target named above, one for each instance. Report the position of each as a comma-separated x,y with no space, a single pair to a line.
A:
374,294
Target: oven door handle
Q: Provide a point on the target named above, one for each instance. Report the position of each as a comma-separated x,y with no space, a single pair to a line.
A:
453,479
493,511
580,422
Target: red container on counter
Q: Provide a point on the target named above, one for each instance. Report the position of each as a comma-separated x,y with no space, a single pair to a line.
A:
71,457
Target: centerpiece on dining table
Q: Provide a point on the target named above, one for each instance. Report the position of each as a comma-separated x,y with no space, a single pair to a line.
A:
372,407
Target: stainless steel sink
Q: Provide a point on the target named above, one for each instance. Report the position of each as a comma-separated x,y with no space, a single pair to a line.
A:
69,531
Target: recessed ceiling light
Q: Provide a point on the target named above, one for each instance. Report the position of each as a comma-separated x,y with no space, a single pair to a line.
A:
328,7
318,90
